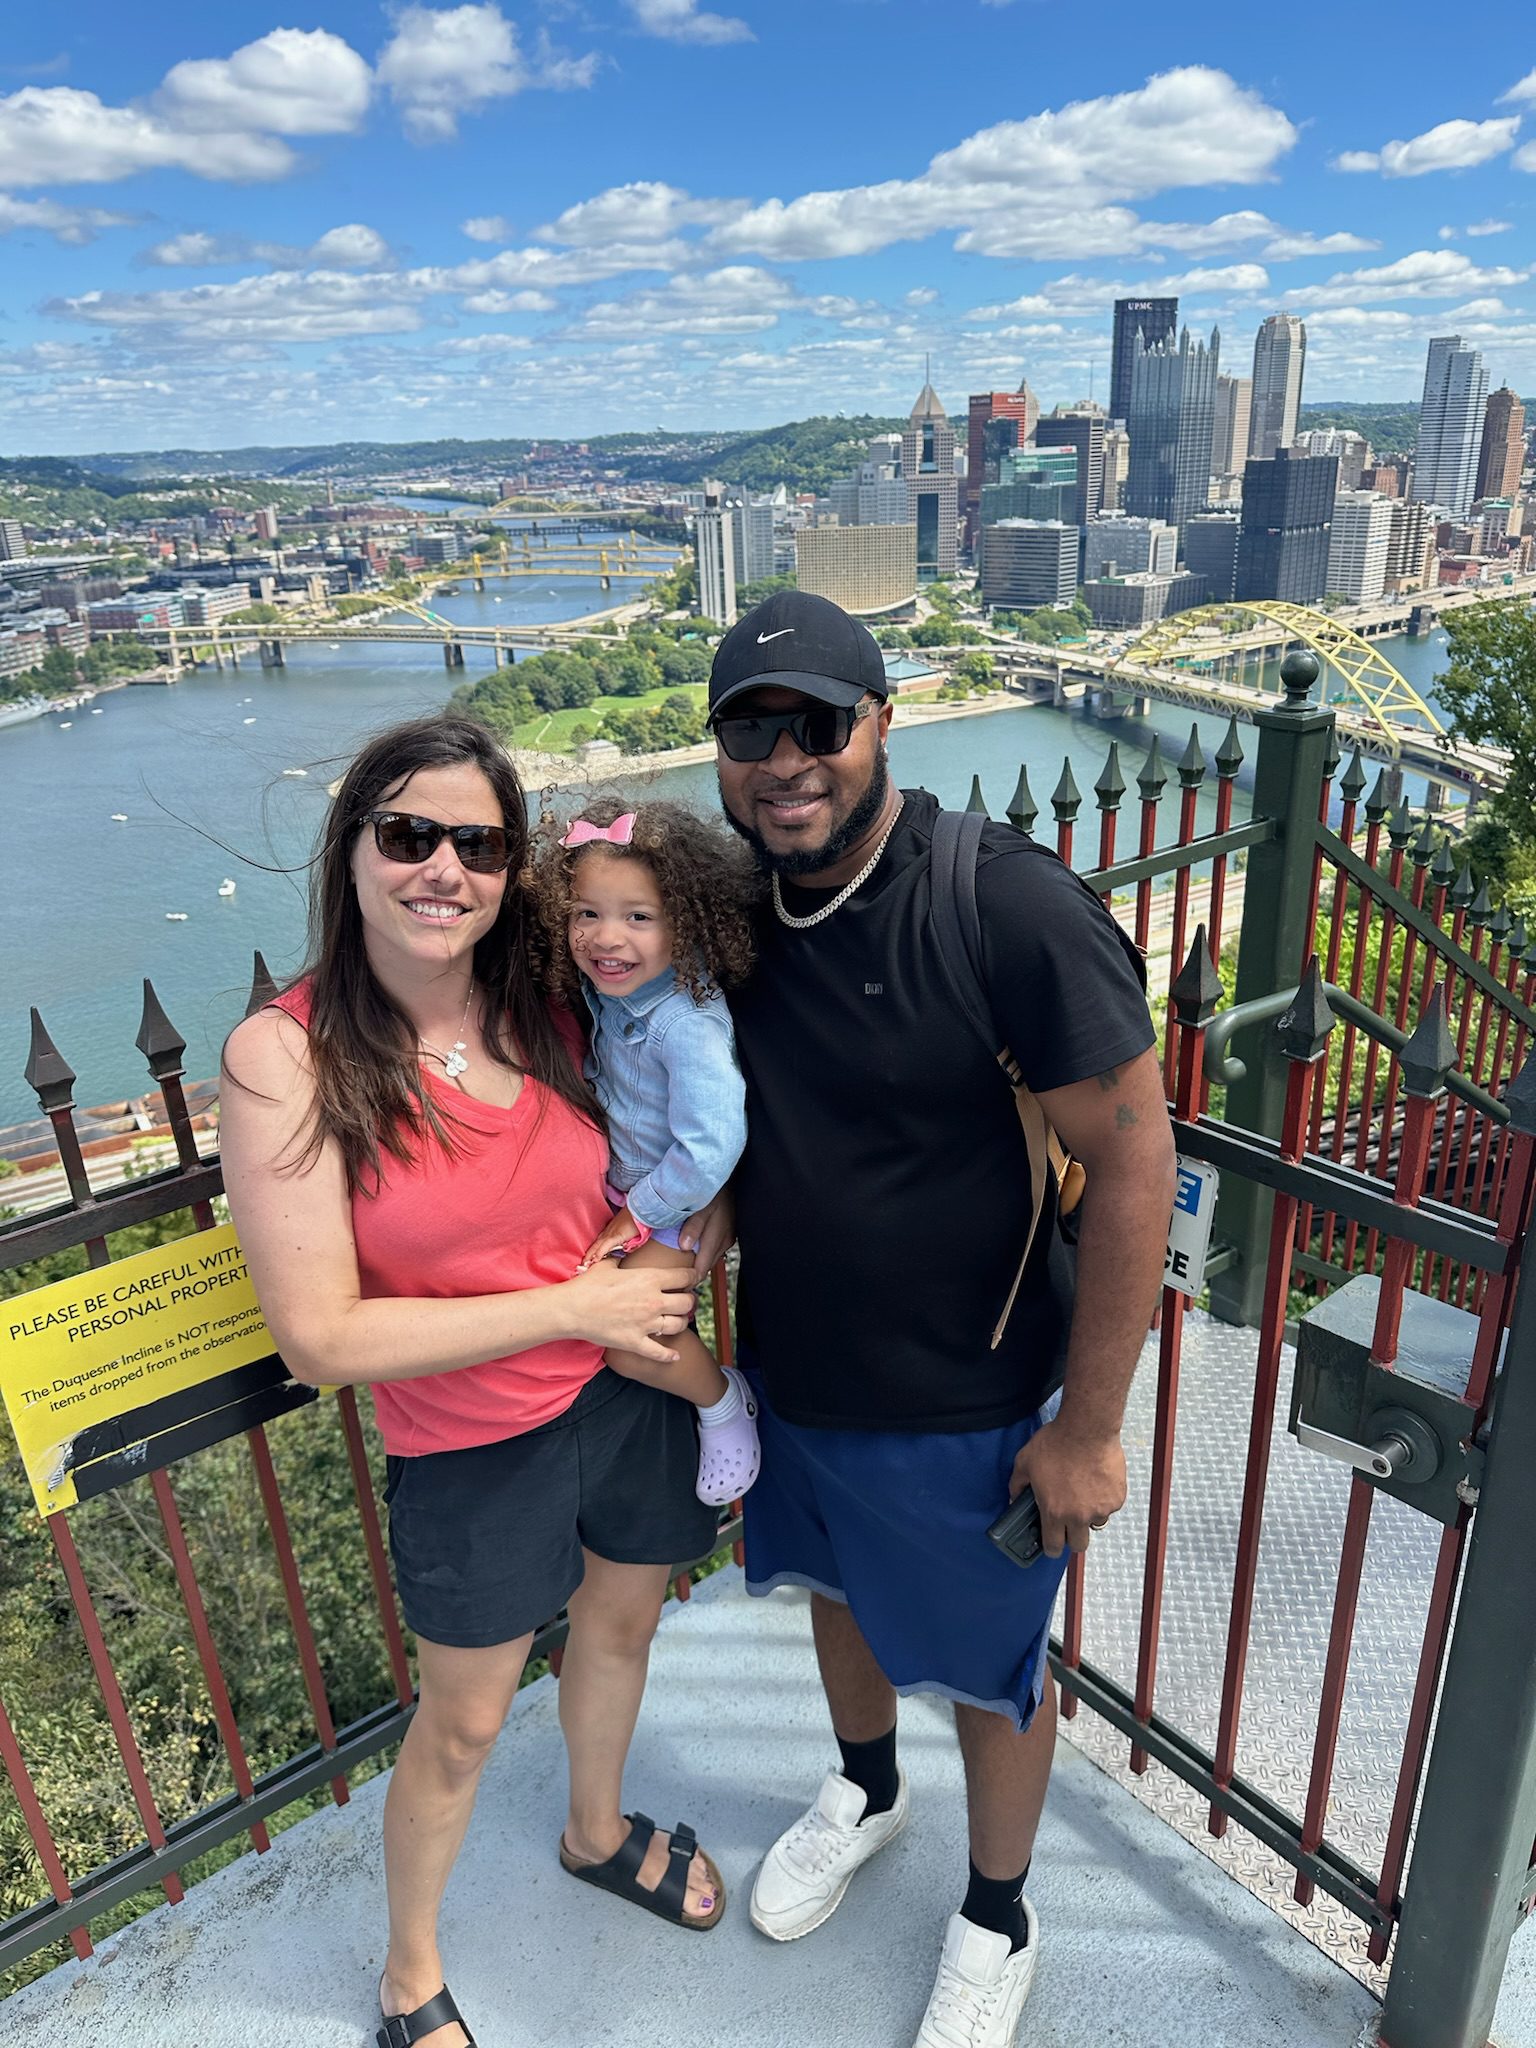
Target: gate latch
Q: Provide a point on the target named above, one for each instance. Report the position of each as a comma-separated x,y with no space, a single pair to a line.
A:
1405,1427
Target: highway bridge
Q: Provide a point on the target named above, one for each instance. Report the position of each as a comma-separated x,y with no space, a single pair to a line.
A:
401,623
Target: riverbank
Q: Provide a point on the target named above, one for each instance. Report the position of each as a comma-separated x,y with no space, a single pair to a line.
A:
564,771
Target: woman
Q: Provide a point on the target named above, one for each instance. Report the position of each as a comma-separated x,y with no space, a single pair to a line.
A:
416,1167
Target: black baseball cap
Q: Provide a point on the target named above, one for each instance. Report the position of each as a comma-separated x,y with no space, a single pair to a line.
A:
795,641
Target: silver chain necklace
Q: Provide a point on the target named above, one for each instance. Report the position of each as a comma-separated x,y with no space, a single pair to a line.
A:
454,1063
800,924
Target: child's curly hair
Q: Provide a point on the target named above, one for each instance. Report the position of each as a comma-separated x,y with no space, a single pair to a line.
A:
706,878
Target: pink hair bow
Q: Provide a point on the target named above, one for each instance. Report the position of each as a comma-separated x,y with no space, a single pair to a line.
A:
582,831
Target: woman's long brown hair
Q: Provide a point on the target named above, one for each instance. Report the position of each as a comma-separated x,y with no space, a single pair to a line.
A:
369,1095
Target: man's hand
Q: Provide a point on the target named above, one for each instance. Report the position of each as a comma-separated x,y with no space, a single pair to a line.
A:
621,1234
710,1234
1078,1483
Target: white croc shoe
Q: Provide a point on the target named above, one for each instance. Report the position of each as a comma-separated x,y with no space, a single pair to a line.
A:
981,1987
805,1873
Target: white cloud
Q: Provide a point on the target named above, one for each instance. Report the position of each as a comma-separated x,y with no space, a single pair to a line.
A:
1078,296
488,227
1524,90
282,306
57,135
640,212
920,295
485,344
1489,227
1042,186
73,224
444,62
1452,146
510,302
680,21
1286,246
291,82
1525,159
1426,274
740,298
353,247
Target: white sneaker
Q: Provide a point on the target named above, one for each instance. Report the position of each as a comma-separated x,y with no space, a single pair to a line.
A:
981,1987
806,1872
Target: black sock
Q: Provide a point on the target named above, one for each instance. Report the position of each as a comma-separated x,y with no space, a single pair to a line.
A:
872,1767
998,1903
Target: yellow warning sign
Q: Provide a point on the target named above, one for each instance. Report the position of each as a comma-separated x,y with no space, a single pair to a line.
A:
94,1369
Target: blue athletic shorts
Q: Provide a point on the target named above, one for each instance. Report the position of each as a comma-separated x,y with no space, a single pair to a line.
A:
895,1525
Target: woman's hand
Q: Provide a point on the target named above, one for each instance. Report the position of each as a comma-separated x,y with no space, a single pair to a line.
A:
710,1234
628,1308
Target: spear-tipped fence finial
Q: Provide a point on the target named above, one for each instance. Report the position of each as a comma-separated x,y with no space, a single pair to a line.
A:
1422,852
1430,1053
976,801
1331,754
1110,786
160,1042
1196,988
1066,797
1022,808
1192,761
1379,802
1442,869
1304,1029
1463,889
1400,828
263,987
1229,755
47,1073
1152,779
1352,781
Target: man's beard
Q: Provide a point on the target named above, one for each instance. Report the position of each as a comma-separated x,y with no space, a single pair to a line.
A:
811,860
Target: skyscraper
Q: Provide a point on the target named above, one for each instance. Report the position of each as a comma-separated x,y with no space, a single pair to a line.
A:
1138,322
928,464
1172,419
1450,425
1279,358
1083,431
1015,413
1229,437
1287,520
714,541
1358,545
1210,552
1502,456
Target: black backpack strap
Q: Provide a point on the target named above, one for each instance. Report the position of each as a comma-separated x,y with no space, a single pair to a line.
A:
955,919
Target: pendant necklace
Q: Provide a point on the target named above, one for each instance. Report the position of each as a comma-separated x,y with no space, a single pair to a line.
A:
800,924
455,1062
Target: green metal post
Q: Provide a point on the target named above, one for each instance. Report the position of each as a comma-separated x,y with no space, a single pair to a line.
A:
1472,1848
1294,742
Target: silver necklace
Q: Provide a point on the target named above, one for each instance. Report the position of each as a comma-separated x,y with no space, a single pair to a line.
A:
454,1063
800,924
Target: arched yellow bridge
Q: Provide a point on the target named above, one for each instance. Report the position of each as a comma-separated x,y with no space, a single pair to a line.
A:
1379,695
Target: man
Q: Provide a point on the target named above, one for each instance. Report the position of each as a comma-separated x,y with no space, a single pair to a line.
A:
883,1204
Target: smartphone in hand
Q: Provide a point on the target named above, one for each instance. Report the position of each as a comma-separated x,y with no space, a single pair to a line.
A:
1016,1532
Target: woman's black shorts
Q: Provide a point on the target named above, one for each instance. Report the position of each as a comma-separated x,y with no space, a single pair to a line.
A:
487,1542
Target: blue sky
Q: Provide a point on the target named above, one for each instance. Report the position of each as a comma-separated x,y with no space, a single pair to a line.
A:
249,224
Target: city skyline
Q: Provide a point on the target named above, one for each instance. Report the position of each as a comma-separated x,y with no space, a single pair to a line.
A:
424,221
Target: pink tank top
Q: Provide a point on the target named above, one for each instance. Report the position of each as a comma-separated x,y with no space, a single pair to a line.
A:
514,1205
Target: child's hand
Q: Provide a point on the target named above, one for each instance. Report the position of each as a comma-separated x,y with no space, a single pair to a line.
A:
622,1234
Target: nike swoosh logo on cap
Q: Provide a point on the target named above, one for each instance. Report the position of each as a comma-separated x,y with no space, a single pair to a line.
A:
764,638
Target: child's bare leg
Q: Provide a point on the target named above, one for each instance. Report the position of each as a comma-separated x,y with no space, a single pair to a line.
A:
695,1377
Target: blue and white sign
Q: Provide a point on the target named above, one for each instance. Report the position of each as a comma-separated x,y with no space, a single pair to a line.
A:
1189,1233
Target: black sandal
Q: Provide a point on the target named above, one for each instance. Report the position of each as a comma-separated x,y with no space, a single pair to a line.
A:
408,2027
621,1875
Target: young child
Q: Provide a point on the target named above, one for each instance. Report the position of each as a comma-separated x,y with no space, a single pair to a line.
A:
647,912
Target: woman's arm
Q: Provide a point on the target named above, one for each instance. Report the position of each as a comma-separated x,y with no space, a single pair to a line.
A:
295,1226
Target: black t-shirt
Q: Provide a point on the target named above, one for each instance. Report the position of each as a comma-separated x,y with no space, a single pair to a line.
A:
884,1196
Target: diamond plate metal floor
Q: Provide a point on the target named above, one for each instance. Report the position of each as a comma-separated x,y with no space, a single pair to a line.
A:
1298,1564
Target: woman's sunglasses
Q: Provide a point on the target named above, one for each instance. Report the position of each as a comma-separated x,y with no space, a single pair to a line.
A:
483,849
814,728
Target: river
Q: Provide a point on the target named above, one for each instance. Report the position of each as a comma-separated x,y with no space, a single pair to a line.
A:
197,769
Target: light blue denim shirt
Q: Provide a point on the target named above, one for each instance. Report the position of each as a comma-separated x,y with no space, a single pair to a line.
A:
664,1068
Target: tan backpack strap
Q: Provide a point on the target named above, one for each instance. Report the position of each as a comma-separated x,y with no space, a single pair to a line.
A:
1037,1134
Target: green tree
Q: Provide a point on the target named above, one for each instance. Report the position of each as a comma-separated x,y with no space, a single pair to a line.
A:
976,671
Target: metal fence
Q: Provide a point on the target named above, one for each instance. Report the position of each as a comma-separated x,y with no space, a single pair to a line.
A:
1354,1152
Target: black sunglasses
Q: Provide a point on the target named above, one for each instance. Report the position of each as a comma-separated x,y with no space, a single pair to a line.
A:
814,728
483,849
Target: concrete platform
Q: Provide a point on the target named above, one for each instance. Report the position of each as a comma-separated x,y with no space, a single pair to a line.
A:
1147,1944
